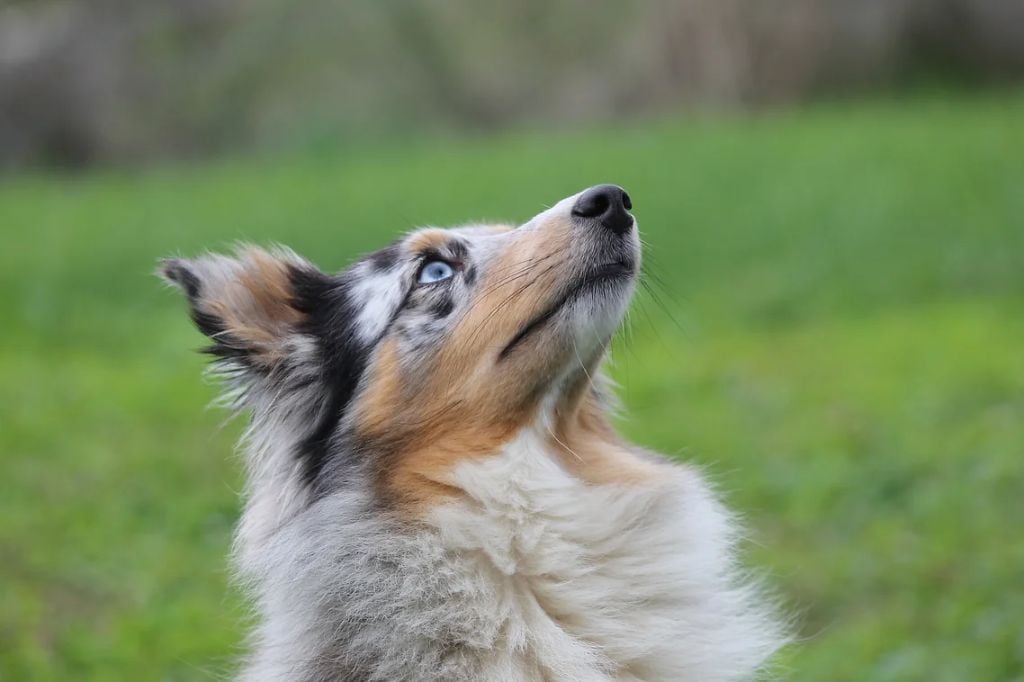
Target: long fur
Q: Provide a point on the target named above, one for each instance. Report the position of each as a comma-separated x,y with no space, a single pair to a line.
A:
433,491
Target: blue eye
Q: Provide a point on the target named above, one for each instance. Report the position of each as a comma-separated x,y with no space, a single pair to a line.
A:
435,271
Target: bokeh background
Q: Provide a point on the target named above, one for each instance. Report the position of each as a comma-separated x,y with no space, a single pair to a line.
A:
832,193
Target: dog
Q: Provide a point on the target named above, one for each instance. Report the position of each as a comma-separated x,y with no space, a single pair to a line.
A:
435,490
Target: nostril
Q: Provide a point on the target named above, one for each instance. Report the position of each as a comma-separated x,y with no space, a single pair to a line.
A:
592,205
609,205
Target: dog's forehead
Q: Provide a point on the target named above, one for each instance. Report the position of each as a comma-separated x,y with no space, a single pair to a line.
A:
478,238
472,235
482,230
408,248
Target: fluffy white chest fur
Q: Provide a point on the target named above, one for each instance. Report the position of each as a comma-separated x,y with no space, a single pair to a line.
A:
616,582
532,575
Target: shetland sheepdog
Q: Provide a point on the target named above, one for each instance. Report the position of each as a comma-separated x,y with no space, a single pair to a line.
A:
435,490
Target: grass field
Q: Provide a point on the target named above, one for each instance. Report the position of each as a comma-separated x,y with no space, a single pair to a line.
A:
844,353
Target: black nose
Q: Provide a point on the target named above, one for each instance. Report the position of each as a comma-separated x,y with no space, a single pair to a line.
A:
609,204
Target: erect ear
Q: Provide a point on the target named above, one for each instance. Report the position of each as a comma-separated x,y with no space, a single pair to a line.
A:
248,304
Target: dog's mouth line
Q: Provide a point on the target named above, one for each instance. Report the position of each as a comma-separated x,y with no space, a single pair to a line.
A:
607,272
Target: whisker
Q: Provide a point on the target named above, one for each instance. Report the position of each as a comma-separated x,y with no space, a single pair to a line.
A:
506,302
576,350
648,281
567,448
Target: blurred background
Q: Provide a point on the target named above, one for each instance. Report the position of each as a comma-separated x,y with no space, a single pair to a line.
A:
832,193
125,80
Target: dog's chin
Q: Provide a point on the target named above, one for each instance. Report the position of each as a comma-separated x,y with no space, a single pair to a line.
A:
583,318
596,314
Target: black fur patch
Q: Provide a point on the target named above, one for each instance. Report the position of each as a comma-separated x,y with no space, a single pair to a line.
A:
386,258
458,249
183,276
329,318
442,308
469,276
224,346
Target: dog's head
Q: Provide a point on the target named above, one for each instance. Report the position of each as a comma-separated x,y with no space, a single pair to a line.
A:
440,345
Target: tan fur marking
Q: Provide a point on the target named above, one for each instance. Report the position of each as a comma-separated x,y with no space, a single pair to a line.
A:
422,438
421,480
468,404
430,238
255,306
380,405
519,285
591,449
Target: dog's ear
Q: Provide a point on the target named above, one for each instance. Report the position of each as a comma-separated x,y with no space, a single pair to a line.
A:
250,304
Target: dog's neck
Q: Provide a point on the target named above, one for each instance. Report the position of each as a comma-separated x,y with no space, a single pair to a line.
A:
565,554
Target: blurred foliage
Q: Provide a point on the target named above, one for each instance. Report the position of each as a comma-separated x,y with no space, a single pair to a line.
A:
85,81
839,344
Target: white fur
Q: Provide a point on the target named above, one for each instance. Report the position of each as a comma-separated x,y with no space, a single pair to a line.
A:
375,295
535,575
615,582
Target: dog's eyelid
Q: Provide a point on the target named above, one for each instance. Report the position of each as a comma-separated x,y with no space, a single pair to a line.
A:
427,255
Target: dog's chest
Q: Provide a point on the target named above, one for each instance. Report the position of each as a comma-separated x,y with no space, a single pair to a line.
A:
532,575
581,581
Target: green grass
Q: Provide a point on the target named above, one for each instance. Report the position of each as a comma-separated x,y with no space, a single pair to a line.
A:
846,360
